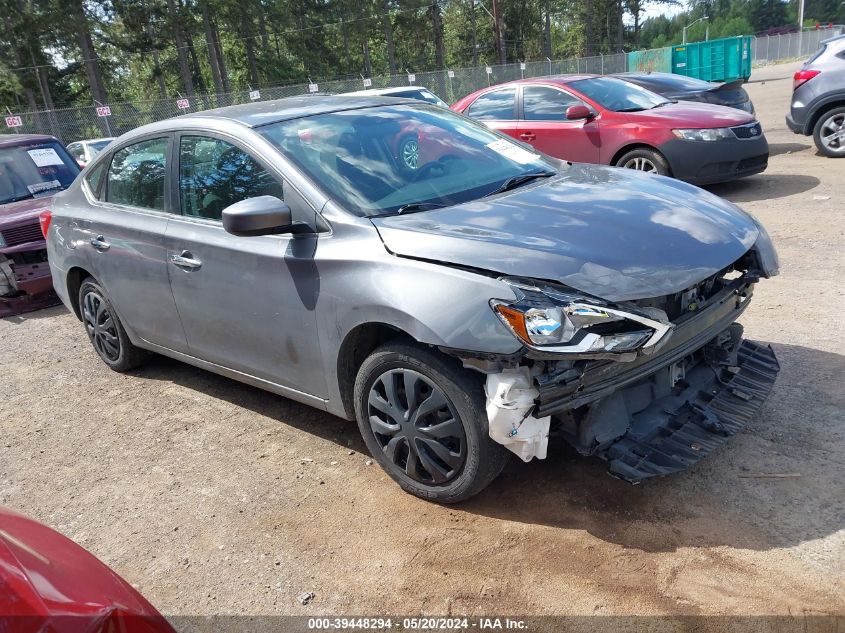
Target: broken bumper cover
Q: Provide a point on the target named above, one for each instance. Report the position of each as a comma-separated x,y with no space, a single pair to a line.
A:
676,431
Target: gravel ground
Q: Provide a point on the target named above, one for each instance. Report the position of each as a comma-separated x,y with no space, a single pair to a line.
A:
202,492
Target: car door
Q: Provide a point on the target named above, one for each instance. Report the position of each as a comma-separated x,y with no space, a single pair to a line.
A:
246,303
124,234
496,109
543,123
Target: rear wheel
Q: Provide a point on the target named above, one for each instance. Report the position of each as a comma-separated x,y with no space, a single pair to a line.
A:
647,160
829,133
423,419
105,331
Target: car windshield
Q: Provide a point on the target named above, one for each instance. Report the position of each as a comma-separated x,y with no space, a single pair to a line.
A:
395,159
37,169
98,146
617,95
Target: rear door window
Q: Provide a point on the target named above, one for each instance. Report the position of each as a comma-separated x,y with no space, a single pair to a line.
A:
543,103
497,105
214,174
137,175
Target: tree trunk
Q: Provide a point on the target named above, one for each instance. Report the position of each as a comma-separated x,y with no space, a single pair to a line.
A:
158,73
249,46
216,77
437,25
474,28
547,29
388,36
181,49
499,25
86,48
221,60
620,25
368,66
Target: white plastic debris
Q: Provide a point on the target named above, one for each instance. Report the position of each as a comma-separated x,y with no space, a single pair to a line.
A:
510,398
305,597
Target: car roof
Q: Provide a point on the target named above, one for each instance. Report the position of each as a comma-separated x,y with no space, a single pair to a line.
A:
836,39
383,91
266,112
11,140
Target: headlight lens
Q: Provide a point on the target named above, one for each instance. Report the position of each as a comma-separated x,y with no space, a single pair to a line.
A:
2,241
705,134
550,321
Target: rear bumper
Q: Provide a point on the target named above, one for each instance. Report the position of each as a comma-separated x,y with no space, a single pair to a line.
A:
703,162
33,281
793,125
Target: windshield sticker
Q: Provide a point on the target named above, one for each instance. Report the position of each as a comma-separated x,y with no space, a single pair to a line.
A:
46,157
513,152
43,186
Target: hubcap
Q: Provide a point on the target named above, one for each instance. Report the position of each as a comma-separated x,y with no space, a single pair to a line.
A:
411,153
100,325
641,164
833,133
416,426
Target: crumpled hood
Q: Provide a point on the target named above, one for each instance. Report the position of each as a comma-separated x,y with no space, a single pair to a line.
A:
612,233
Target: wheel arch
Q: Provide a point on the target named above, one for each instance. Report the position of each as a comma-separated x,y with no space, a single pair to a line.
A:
836,102
75,276
357,345
637,145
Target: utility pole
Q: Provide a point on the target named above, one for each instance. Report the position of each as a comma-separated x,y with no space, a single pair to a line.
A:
800,25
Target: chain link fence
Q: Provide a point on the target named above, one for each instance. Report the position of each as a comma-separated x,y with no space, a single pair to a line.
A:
768,49
72,124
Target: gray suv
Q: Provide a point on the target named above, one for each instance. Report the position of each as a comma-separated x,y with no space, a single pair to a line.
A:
460,311
818,98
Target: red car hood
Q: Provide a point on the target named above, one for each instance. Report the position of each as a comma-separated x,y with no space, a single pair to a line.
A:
686,114
48,582
14,212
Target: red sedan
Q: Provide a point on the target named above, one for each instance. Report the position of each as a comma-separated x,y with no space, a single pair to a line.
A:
50,584
596,119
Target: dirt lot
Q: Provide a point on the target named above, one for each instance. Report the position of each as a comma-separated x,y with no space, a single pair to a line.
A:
196,488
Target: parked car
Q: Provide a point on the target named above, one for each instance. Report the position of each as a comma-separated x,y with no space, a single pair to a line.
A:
681,88
32,169
84,151
456,311
818,98
595,119
51,584
420,93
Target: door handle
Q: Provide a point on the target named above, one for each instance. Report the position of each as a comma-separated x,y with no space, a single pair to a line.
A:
100,243
185,260
528,136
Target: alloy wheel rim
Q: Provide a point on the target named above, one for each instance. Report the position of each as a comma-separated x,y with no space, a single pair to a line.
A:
833,133
101,326
416,427
641,164
411,153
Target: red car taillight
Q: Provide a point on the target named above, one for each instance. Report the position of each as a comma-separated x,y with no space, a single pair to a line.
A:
44,218
803,76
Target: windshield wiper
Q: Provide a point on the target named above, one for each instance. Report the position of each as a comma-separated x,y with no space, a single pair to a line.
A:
413,207
637,109
516,181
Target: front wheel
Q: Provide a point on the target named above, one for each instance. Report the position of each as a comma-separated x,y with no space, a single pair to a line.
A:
829,133
647,160
423,419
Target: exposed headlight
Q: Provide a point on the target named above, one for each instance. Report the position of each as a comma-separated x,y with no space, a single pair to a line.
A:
550,321
705,134
2,241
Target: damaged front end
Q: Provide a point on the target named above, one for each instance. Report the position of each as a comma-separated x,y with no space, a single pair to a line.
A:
25,280
650,385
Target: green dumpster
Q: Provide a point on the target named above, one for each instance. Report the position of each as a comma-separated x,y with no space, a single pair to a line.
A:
724,59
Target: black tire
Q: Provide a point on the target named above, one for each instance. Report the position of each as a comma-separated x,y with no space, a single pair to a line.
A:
830,119
643,155
481,459
108,338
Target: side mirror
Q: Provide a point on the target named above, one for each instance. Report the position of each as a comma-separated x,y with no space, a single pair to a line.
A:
263,215
579,111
